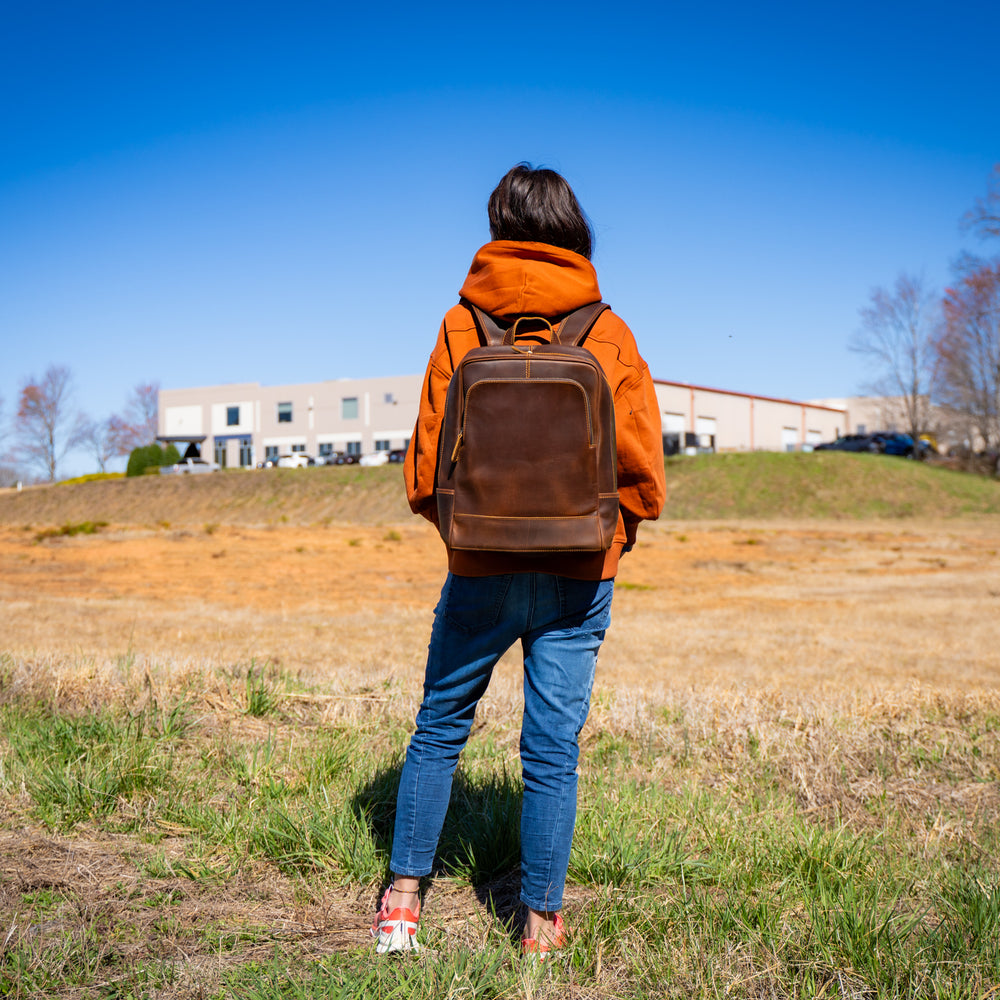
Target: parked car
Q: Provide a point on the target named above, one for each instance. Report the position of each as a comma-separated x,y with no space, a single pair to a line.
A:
377,458
850,442
880,443
896,444
297,460
189,466
397,455
329,459
348,458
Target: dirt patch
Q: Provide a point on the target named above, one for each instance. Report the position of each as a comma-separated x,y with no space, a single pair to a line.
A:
783,606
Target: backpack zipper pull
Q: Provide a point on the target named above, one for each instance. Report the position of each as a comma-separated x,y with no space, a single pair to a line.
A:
457,448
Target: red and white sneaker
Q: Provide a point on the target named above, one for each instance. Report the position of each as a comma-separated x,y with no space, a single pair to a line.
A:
534,946
396,929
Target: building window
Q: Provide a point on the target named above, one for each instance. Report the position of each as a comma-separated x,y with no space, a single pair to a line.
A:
298,448
270,452
232,416
353,447
220,454
390,398
284,413
246,453
382,445
326,449
349,408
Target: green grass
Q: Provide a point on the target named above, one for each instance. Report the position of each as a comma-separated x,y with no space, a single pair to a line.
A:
485,975
821,485
699,867
91,767
261,696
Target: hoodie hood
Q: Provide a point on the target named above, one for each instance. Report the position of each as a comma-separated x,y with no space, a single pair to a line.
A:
510,278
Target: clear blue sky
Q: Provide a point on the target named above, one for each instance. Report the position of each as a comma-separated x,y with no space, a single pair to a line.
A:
201,193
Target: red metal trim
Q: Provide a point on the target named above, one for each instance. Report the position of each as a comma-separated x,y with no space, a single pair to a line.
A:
746,395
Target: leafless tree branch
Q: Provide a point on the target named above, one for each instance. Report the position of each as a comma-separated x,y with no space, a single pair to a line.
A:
137,425
95,436
43,419
895,336
967,351
983,218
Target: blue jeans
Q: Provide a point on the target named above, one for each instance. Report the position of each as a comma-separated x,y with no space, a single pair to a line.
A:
561,624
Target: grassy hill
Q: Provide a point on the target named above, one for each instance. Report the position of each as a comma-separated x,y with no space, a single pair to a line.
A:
753,486
823,484
237,496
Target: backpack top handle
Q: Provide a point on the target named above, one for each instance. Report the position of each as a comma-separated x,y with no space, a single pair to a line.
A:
511,335
572,330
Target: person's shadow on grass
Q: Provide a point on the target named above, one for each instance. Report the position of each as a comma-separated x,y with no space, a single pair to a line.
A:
481,838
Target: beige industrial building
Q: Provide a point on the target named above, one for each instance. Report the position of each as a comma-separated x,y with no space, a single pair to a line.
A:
696,418
246,423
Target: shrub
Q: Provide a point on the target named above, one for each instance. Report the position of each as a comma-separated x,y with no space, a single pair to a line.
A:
81,528
150,456
90,477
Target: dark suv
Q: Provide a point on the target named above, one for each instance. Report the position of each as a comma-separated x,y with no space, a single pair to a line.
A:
852,442
879,443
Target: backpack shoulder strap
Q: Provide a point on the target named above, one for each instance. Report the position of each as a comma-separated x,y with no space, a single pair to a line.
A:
572,330
491,333
576,325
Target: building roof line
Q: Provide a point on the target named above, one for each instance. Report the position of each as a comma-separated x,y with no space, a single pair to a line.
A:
748,395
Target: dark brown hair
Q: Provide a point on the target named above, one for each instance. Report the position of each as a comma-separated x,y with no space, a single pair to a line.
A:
538,206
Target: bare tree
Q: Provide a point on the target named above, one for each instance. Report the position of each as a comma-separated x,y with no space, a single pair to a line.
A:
44,424
96,436
8,473
984,217
138,425
895,337
967,350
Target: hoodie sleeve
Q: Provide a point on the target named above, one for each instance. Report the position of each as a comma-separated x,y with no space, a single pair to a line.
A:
420,465
641,484
638,431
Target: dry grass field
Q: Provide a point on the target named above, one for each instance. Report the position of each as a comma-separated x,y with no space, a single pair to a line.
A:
798,609
837,680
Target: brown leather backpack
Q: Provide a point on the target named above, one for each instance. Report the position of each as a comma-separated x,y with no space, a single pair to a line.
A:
527,460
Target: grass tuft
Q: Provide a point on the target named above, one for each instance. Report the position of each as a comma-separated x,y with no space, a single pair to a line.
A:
69,530
261,697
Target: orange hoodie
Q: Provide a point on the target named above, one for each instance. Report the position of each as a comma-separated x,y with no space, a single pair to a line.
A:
513,279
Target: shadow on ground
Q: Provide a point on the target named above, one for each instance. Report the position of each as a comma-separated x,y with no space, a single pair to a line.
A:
480,841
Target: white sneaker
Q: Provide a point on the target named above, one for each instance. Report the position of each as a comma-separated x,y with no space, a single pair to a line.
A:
395,930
